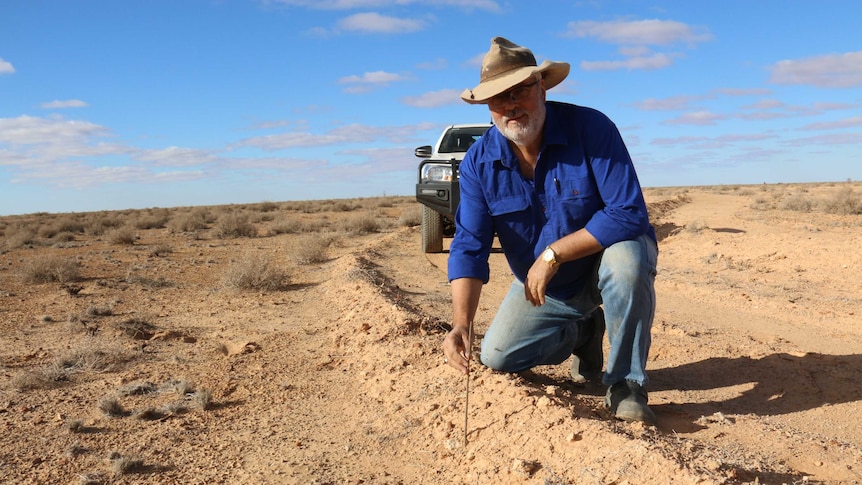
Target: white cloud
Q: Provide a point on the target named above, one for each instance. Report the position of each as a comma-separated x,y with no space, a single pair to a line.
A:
354,133
434,99
435,65
656,61
743,92
69,103
31,130
371,22
488,5
369,81
698,118
835,125
634,37
6,67
176,157
376,77
638,32
827,71
828,140
672,103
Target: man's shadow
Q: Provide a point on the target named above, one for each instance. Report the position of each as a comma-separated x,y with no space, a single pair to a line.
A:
773,385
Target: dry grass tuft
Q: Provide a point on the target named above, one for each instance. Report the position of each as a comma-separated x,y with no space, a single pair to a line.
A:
137,389
76,426
161,250
124,236
48,270
235,225
845,202
410,217
112,407
196,220
203,398
100,311
123,465
255,272
148,414
312,249
32,381
137,328
362,224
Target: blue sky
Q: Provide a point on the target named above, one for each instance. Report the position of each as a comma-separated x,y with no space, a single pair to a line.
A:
133,104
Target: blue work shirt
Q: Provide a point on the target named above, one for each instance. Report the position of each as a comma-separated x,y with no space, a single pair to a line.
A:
584,178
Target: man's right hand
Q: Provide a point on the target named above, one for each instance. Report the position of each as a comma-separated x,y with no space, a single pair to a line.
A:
455,348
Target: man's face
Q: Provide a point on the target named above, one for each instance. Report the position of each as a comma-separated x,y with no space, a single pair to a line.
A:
519,113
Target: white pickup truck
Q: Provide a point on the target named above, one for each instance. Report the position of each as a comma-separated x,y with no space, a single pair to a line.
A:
438,189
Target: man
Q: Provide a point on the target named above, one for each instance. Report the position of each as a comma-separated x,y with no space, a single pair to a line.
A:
556,184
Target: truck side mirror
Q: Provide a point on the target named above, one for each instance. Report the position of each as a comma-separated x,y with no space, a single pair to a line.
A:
423,151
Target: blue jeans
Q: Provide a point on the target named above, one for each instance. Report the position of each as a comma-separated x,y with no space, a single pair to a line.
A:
523,336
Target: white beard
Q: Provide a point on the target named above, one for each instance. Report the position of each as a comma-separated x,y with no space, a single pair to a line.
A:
522,134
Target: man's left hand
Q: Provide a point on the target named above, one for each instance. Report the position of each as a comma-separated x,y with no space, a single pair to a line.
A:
538,277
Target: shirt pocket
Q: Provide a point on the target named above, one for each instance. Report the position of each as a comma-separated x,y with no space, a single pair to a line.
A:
576,202
512,217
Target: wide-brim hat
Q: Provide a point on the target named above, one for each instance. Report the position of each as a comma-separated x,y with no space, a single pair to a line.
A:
506,65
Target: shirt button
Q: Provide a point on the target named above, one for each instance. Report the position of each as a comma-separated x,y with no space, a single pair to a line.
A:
574,192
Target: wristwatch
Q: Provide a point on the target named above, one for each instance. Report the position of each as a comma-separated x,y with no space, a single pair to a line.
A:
550,257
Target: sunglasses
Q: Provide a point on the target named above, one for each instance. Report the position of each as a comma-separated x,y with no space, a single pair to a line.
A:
514,95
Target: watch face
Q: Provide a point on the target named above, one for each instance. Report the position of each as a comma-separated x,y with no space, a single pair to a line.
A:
549,255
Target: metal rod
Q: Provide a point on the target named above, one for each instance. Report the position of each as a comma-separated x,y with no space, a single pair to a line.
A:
467,389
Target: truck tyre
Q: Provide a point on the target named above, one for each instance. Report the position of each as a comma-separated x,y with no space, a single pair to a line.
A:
432,231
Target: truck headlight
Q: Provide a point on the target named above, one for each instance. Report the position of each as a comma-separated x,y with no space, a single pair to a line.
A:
436,172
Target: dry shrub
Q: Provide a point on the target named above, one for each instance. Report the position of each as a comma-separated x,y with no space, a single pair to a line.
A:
761,203
112,407
797,204
32,381
51,269
137,388
151,222
267,206
70,224
161,250
85,359
696,227
123,465
844,202
64,236
235,225
195,220
411,217
18,235
365,223
137,328
294,226
102,223
255,272
100,311
122,236
339,206
312,249
203,398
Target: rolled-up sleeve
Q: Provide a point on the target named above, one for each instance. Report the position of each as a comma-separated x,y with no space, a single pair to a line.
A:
474,228
624,215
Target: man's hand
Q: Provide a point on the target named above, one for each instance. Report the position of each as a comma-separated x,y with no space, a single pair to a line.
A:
455,348
538,277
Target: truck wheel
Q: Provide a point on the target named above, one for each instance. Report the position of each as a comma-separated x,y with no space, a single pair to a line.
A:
432,231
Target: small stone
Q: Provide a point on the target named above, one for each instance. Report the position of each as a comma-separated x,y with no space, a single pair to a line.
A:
524,467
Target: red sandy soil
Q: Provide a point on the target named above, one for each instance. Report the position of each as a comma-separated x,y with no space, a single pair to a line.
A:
337,377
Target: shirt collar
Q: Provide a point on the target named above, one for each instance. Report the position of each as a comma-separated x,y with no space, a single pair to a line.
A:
554,135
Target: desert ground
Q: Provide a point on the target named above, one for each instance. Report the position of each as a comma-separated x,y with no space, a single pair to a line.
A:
299,343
